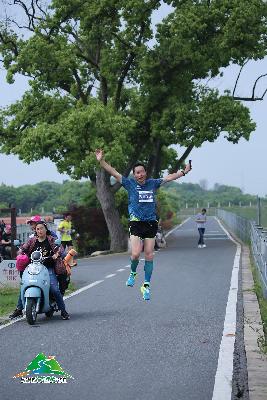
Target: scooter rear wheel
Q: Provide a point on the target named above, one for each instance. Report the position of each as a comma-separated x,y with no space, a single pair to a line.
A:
31,313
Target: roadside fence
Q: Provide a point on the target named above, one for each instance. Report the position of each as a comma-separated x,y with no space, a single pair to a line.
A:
249,232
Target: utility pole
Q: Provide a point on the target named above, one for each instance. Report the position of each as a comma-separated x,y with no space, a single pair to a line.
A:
259,210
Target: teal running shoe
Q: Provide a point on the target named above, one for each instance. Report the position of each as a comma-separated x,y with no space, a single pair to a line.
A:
145,290
131,279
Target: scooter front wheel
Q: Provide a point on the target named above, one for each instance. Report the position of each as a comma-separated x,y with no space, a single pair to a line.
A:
31,313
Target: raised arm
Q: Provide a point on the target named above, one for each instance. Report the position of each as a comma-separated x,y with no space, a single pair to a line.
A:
100,157
178,174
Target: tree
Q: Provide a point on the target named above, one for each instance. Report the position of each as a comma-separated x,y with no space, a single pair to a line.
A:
96,82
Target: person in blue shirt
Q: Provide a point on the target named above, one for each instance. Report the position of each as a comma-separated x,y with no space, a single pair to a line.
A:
143,222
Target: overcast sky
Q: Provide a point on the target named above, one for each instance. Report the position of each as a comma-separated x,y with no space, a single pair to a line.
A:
243,164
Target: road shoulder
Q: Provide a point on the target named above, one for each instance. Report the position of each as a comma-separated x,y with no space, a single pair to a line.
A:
253,333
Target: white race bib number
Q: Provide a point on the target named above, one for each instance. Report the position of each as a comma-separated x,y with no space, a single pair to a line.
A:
146,196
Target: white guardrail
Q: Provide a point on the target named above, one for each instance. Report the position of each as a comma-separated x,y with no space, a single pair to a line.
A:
249,231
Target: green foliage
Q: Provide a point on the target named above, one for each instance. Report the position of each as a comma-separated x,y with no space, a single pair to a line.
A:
168,204
49,195
251,213
95,81
9,299
210,114
192,194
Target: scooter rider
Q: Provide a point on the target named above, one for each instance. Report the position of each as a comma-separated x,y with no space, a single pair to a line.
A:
33,222
45,243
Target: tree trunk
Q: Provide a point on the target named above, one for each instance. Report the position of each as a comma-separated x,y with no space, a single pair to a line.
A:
118,237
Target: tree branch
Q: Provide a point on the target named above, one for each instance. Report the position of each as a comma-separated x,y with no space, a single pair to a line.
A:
252,98
79,85
181,159
40,8
255,84
238,76
127,67
104,90
30,15
9,41
154,158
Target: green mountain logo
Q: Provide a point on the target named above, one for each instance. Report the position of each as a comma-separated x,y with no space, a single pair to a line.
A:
43,365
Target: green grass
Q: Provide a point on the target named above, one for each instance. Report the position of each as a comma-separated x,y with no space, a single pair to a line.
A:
250,213
9,299
71,288
262,304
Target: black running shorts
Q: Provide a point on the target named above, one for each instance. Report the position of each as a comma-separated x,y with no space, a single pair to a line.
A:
65,243
143,229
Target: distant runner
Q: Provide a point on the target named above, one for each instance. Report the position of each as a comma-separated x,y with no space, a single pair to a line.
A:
201,220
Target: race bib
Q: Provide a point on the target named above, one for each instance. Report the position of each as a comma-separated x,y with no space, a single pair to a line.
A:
146,196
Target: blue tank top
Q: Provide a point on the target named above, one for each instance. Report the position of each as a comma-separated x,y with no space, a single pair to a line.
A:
142,204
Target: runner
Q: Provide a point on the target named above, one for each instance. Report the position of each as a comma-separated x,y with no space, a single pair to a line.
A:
143,222
201,220
65,229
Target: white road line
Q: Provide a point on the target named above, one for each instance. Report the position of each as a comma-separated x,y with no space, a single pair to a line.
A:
227,233
215,234
11,322
223,379
110,276
216,238
83,289
121,269
65,298
178,226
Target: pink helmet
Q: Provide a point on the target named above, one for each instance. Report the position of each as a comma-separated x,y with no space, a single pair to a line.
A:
22,261
35,218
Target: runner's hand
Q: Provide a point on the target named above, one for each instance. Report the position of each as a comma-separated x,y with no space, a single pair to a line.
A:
187,168
99,154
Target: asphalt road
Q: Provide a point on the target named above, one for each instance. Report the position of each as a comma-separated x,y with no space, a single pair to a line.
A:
117,346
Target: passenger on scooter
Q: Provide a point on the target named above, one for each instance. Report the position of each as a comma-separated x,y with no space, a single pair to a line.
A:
45,243
33,221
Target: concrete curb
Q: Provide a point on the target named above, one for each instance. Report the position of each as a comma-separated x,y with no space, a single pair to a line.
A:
253,333
253,328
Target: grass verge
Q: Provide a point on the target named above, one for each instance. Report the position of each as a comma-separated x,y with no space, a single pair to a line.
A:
262,304
9,299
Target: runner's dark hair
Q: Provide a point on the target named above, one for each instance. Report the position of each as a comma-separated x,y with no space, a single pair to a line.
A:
139,164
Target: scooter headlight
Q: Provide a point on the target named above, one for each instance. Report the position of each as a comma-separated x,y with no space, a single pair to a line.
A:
34,269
